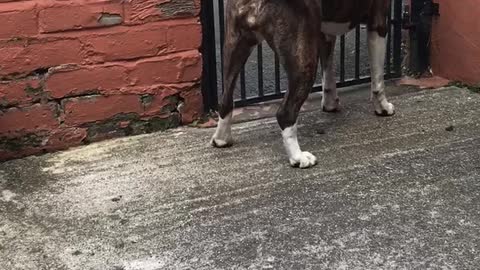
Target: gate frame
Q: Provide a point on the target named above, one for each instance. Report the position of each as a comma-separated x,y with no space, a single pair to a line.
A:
208,50
210,86
418,21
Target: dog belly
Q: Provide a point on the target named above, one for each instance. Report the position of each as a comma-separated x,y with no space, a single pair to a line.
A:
335,29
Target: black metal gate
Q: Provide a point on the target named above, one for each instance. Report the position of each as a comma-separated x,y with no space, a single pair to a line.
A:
262,79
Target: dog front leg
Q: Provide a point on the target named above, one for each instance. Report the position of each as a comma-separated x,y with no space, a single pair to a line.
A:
301,75
377,48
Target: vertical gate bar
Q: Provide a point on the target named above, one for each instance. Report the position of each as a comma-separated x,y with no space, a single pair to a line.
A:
357,52
260,69
243,90
221,20
277,74
209,73
389,41
397,38
342,58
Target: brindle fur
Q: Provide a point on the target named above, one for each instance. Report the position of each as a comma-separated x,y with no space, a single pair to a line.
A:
292,28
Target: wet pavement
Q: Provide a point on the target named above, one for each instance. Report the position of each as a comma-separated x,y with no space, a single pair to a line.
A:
388,193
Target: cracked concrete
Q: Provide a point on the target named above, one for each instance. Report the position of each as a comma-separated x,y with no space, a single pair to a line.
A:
388,193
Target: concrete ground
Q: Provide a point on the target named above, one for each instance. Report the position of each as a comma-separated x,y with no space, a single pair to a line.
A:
388,193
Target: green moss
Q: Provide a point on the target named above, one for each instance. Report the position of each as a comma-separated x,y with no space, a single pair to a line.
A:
473,88
33,91
3,102
169,108
173,99
155,124
146,99
112,127
18,143
204,118
161,124
15,39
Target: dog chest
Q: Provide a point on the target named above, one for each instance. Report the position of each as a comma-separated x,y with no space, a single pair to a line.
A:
335,29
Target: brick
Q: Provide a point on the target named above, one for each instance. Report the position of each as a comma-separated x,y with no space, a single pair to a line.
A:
140,77
175,68
163,101
84,110
178,8
19,92
184,37
72,16
192,106
16,142
191,68
127,43
7,155
26,56
18,20
141,87
154,10
67,82
65,137
29,119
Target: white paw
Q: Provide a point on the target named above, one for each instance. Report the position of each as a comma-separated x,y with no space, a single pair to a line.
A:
221,143
385,109
303,160
332,105
223,134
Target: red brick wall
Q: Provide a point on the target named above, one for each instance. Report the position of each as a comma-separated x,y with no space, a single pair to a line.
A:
73,72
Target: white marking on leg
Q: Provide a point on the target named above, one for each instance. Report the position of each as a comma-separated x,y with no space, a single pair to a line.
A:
295,154
377,48
335,29
223,133
330,97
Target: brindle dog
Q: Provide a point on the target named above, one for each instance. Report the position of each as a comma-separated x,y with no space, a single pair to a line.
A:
301,32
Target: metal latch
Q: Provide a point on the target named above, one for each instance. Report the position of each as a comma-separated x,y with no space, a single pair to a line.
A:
407,19
426,8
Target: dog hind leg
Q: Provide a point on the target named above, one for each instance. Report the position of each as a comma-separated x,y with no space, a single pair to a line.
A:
330,100
377,48
237,49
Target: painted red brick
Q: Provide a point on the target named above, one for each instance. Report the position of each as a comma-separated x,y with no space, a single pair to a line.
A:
148,65
175,68
153,10
126,43
54,140
83,110
29,119
65,82
142,11
65,137
18,19
192,105
27,56
6,155
191,68
162,97
19,92
184,37
77,15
